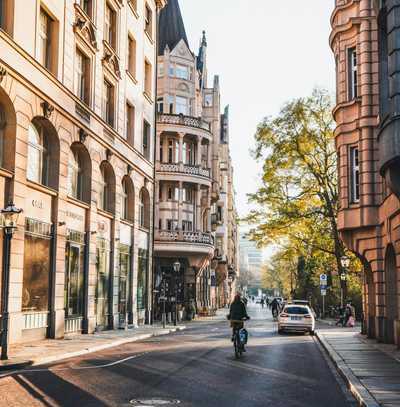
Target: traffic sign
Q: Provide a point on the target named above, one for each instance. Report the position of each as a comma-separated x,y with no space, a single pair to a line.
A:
323,292
323,286
323,278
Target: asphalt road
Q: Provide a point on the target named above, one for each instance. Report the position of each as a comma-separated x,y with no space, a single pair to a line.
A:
196,367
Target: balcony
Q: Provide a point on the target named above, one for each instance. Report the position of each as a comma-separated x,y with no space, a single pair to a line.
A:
184,169
189,237
181,120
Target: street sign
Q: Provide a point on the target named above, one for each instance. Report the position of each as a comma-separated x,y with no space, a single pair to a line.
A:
323,286
323,293
323,278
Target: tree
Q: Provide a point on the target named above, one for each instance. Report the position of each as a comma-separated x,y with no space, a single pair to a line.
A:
297,202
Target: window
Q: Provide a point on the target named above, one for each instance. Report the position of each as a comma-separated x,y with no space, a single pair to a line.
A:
108,103
354,175
130,124
45,27
176,143
148,21
188,153
110,23
170,151
160,105
208,100
187,195
176,194
170,103
127,199
172,224
147,79
182,72
352,71
3,14
144,209
160,68
170,193
106,200
74,176
131,56
82,77
146,139
171,70
36,170
187,226
87,7
181,105
161,152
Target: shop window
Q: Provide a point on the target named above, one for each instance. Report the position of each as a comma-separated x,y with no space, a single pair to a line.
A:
110,26
107,188
146,140
108,102
36,274
148,79
128,200
144,209
82,77
143,260
354,175
130,124
131,56
47,44
74,277
43,154
79,173
102,301
148,18
124,283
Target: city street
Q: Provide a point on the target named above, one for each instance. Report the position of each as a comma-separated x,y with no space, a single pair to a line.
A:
195,367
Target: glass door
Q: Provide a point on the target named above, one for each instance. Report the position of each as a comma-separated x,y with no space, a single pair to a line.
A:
74,281
103,283
124,283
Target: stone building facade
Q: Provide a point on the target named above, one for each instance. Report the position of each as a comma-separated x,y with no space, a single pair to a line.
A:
364,40
188,163
77,125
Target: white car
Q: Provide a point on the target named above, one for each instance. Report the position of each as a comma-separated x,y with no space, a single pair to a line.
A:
296,318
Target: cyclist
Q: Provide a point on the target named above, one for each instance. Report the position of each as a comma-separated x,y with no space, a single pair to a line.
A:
237,313
275,307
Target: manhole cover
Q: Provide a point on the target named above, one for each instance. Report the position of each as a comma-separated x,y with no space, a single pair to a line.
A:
153,402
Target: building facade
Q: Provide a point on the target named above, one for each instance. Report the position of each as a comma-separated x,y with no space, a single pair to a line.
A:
364,41
187,170
77,125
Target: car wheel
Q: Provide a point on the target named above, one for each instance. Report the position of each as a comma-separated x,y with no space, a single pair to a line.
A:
312,333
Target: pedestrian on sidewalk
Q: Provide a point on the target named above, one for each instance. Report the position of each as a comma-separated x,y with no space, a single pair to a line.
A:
262,302
349,315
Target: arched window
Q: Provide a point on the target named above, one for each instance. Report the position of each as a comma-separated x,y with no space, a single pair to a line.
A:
107,188
36,170
79,173
127,199
144,209
43,153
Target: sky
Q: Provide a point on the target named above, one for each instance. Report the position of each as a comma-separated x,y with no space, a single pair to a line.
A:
266,52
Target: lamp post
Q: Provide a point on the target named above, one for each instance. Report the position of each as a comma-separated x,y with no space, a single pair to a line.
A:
345,262
9,217
177,267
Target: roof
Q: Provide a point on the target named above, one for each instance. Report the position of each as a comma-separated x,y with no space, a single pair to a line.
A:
172,29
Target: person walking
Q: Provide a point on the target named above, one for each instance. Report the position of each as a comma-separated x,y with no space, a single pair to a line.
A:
262,302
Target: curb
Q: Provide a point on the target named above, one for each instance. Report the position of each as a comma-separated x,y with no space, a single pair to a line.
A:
359,391
20,364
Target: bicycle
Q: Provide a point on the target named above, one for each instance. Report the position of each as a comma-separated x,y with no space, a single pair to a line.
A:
238,339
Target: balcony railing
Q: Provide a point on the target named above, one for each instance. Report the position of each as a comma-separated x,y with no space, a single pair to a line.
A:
180,236
182,120
185,169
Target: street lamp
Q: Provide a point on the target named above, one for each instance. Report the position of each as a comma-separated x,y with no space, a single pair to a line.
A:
345,262
9,216
177,267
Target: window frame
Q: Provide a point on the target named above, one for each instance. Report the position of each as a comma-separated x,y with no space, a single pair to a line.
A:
132,56
352,67
109,102
85,85
110,21
148,20
45,42
146,140
354,174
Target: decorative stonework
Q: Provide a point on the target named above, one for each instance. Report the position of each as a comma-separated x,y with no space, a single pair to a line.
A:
85,28
111,61
3,73
48,109
83,135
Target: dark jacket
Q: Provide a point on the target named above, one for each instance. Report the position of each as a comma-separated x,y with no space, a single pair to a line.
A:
237,311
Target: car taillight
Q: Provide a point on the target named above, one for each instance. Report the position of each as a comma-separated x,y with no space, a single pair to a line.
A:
307,316
284,315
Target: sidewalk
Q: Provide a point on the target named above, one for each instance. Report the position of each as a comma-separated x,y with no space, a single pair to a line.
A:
371,370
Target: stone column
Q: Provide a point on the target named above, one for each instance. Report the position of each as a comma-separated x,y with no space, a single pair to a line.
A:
181,136
198,152
198,208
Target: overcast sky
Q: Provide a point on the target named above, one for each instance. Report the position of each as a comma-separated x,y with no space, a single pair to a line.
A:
266,52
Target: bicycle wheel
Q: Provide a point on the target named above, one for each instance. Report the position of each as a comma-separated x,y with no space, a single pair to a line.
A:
238,347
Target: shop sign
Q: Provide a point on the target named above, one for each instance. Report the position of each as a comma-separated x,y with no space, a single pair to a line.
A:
37,205
75,218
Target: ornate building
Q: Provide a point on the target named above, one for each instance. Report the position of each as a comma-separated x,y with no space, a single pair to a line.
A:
187,167
77,124
364,40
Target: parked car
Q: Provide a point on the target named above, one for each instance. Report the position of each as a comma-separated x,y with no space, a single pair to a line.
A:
296,318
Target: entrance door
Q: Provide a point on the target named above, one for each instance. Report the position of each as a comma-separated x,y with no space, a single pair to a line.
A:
124,284
103,283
